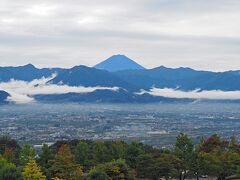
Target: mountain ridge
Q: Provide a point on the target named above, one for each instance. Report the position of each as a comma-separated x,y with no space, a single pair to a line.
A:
3,97
26,72
129,81
90,77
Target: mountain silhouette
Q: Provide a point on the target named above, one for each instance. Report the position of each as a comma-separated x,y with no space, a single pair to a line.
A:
118,63
90,77
124,73
26,73
3,97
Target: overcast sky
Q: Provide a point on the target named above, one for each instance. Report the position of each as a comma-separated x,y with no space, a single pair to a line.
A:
202,34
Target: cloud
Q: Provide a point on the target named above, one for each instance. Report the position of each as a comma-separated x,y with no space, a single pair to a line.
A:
22,91
199,34
20,98
196,94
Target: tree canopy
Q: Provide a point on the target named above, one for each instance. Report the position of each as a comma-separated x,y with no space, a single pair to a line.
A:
101,160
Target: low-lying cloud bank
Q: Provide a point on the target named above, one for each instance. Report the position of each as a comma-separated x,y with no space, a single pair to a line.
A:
196,94
22,91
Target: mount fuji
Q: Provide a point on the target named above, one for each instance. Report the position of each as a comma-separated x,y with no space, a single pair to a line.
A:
118,63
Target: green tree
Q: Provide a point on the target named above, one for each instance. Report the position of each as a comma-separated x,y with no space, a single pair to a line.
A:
220,164
45,160
145,166
116,150
32,172
132,152
197,165
8,171
99,152
238,170
27,153
82,153
184,151
116,170
164,166
155,167
220,158
233,145
97,174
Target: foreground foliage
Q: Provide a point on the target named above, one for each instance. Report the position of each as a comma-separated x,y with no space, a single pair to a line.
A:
103,160
32,171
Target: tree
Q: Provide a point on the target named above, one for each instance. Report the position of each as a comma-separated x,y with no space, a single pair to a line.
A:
145,166
116,150
99,152
82,153
10,149
238,170
45,159
220,164
197,165
164,166
32,171
64,165
219,158
116,170
9,154
27,153
184,150
8,171
97,174
155,168
132,152
7,142
212,143
233,145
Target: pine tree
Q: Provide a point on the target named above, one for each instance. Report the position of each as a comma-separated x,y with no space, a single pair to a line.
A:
65,166
45,160
32,171
27,153
184,151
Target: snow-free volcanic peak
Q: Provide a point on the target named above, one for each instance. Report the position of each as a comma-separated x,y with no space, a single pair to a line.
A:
118,63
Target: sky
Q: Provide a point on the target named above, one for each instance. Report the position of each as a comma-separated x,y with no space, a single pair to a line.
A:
202,34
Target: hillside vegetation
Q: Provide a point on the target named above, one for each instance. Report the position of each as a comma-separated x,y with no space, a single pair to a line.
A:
102,160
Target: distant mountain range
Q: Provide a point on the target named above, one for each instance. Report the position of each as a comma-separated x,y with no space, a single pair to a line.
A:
90,77
182,78
26,73
124,73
